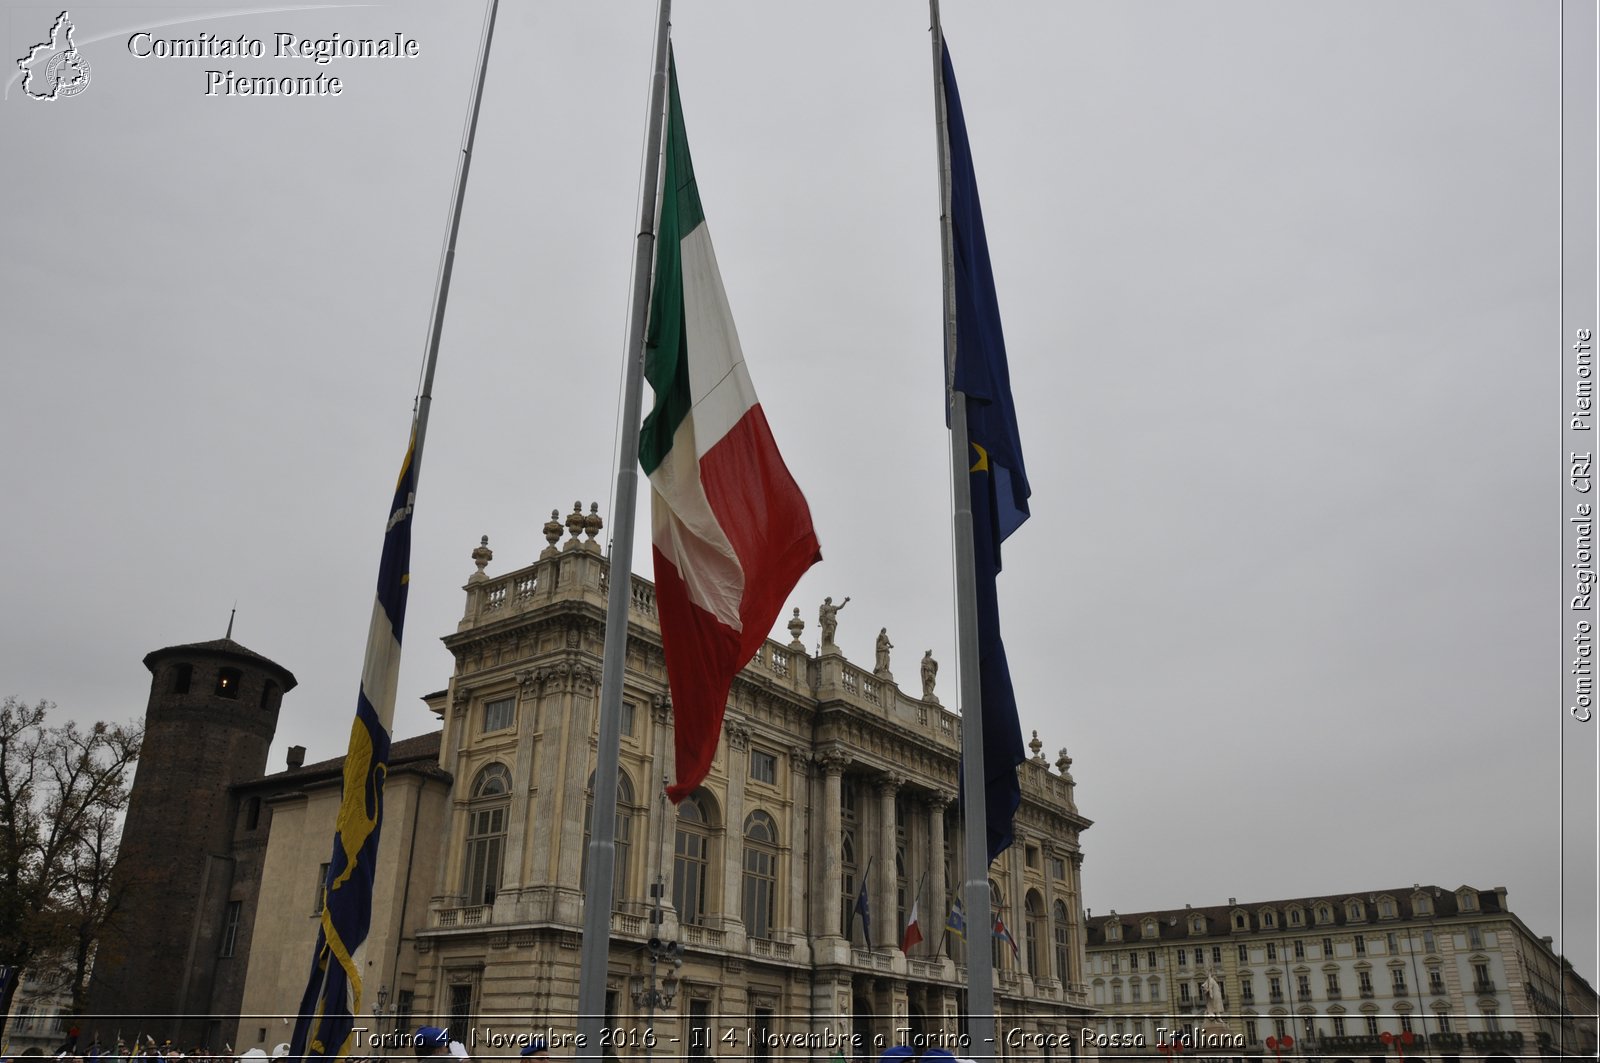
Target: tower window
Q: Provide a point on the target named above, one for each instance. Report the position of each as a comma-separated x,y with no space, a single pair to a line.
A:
228,682
268,689
182,676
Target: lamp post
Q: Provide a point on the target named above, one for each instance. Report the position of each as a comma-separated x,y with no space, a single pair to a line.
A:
380,1007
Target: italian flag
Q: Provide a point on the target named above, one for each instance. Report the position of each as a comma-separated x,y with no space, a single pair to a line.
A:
731,532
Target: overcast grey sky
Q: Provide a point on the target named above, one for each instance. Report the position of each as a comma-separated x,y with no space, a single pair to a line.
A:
1280,287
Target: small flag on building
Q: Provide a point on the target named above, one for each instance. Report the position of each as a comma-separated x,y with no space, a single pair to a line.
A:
913,933
956,924
864,910
1003,934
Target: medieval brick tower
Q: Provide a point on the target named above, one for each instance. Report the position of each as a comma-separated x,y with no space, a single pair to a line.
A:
209,725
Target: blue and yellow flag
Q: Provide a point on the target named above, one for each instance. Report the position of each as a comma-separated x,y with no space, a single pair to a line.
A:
999,483
333,991
956,924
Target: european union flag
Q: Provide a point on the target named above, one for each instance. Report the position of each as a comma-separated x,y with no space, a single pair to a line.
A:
333,992
999,483
864,910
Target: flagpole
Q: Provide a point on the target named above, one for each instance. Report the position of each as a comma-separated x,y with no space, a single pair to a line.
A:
975,888
596,951
458,197
384,709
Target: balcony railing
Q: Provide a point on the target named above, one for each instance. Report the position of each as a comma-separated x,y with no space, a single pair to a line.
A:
1275,998
1482,986
476,915
1366,992
1401,991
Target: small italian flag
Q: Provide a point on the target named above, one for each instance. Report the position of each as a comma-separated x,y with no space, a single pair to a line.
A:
731,532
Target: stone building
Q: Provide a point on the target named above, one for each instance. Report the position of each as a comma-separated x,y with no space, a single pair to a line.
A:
1456,969
826,772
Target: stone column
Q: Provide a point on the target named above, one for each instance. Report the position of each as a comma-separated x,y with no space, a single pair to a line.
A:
661,824
582,684
886,931
514,876
1017,921
800,839
830,834
546,775
938,889
737,736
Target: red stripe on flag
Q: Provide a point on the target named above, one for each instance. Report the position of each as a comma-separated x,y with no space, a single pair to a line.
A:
761,510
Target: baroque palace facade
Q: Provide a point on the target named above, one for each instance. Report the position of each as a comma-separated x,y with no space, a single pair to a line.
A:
1338,974
827,772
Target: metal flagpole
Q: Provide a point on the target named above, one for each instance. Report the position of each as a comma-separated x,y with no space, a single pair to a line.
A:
424,399
974,815
602,830
458,197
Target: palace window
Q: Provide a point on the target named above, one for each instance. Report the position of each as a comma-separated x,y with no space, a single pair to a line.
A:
486,833
1324,915
760,874
1435,981
1033,919
1385,908
763,766
1216,954
1467,900
1272,951
1299,949
1361,944
1338,1026
1183,957
499,714
1296,917
1247,990
1333,985
1244,953
1062,941
1364,979
624,834
1327,948
691,859
1372,1026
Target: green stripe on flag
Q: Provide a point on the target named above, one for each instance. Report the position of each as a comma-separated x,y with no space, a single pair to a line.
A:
665,364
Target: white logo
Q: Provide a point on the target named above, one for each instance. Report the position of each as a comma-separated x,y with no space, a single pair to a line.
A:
56,68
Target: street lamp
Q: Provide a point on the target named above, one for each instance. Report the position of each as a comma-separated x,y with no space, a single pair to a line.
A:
380,1007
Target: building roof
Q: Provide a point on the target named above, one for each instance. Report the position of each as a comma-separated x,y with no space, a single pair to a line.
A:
225,648
419,753
1173,923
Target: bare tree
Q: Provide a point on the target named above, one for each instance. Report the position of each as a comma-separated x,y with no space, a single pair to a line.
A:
62,792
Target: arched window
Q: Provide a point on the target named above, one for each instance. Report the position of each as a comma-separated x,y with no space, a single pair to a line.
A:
624,833
1034,915
1062,942
691,858
486,833
760,874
